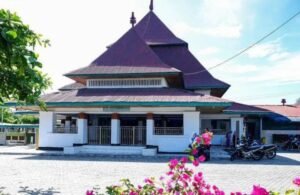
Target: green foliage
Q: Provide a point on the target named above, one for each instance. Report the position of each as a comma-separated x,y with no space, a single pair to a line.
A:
20,70
9,117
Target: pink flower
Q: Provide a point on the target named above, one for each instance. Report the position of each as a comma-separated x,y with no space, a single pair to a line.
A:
160,191
257,190
198,140
196,163
202,158
185,176
198,177
90,192
149,181
173,163
296,181
184,160
170,173
133,193
194,151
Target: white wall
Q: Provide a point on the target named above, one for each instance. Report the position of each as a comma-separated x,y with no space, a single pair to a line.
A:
179,143
49,139
150,132
82,131
115,131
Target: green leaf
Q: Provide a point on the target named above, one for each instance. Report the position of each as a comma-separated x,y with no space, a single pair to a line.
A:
12,34
289,192
191,158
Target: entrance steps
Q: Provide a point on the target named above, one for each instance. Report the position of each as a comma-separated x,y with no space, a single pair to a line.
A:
110,150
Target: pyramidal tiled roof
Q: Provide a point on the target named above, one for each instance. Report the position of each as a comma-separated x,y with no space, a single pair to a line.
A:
130,54
155,32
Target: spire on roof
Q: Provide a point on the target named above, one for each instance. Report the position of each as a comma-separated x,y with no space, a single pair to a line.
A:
151,5
132,19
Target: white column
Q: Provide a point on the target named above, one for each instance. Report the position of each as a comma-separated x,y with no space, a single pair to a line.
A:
150,129
237,124
82,131
191,123
115,130
46,125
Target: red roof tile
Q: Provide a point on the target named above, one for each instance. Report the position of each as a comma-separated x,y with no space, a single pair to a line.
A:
287,110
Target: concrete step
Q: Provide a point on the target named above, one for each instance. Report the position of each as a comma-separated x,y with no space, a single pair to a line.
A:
111,150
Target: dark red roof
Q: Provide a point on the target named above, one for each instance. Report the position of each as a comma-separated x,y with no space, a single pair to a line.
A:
168,95
130,54
155,32
182,59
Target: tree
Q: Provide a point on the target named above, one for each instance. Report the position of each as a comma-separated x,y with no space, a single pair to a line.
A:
20,69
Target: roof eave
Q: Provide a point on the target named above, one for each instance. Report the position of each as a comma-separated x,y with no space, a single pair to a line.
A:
111,103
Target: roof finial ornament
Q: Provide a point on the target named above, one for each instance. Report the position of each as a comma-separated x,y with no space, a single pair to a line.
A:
132,19
151,5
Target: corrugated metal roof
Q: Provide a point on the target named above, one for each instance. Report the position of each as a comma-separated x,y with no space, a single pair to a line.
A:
243,108
160,95
155,32
72,86
182,59
130,54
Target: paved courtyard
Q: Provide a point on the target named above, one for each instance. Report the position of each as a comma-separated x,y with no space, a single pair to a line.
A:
33,174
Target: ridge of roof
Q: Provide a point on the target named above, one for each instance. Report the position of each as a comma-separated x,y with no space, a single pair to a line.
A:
155,32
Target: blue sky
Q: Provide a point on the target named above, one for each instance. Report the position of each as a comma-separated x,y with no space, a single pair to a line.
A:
215,30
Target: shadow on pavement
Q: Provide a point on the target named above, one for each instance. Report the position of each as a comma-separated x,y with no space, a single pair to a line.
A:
278,160
27,191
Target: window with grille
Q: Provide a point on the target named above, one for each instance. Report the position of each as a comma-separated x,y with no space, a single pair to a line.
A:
125,83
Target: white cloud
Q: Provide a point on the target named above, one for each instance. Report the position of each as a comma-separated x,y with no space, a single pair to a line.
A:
208,51
279,56
279,72
225,31
264,50
222,18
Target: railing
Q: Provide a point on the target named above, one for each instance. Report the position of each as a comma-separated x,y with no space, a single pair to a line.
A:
133,135
66,130
168,130
99,135
219,131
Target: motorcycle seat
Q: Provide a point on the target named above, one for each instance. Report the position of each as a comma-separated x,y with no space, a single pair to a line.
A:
254,147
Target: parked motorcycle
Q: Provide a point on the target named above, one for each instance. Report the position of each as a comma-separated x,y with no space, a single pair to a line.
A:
292,143
255,151
243,151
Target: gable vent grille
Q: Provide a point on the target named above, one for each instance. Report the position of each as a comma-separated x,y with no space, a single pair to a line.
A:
125,83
